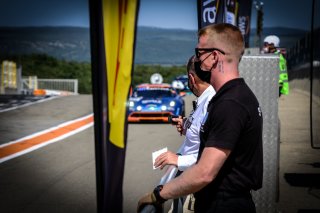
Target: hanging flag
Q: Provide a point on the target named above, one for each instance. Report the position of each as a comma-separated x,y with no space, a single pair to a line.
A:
210,12
112,32
236,12
231,12
244,18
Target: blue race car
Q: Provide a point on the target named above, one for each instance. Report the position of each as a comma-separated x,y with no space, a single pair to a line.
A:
154,102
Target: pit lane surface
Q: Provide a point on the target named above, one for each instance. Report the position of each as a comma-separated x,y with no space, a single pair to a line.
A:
60,177
11,102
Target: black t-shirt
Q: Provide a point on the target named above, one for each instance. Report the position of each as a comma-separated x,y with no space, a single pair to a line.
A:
234,122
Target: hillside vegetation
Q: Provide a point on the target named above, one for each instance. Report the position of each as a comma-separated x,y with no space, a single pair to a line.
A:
153,45
64,52
44,66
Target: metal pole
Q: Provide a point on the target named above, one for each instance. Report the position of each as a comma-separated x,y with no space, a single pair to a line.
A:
311,72
259,26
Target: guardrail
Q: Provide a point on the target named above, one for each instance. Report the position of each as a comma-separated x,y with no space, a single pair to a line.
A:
66,85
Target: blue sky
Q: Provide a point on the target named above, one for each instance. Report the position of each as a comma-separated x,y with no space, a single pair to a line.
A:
44,13
183,13
158,13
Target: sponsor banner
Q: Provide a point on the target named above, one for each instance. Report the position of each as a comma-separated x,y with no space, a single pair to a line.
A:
244,17
236,12
210,12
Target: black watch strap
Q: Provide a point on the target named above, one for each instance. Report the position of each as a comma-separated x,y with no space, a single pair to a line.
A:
157,195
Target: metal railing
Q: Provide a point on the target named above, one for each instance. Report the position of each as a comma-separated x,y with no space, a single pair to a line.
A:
67,85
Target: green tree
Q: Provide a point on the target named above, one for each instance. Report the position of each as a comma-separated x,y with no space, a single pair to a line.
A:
44,66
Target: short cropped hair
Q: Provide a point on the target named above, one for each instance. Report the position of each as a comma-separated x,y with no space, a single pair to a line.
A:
225,36
190,65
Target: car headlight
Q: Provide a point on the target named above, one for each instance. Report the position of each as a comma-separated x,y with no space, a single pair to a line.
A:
163,107
139,108
131,104
172,103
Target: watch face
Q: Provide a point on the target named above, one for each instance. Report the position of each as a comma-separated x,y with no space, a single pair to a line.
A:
156,193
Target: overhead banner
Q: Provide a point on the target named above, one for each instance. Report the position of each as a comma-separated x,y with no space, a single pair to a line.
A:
236,12
112,33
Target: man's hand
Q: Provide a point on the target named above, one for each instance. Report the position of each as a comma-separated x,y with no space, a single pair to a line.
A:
148,199
153,199
179,124
166,158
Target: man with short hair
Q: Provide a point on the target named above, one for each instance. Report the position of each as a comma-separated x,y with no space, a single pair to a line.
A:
230,160
190,127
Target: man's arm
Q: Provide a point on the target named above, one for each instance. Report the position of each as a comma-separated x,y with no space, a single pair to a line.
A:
198,176
166,158
182,162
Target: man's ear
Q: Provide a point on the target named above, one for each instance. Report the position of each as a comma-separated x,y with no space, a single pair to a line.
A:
191,78
215,56
215,59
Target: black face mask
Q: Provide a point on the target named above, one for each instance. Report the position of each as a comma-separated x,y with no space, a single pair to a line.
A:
202,74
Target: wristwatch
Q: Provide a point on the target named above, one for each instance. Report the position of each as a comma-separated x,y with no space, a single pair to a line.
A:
157,195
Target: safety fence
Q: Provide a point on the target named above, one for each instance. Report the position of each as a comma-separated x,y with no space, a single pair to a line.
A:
69,86
12,82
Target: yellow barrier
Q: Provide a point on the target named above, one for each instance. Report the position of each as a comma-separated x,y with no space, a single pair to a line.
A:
8,75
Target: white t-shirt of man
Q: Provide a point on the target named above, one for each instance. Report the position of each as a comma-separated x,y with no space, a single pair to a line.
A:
189,148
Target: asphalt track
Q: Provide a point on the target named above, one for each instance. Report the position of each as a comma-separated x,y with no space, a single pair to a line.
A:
60,177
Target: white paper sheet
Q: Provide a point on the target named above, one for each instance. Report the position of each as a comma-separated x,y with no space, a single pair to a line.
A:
156,154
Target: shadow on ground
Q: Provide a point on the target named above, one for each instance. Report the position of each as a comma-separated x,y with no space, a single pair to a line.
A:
307,180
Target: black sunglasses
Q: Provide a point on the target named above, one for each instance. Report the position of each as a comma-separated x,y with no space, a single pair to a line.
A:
205,50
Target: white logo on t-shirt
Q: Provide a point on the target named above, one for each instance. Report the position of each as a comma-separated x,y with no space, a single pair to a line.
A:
259,111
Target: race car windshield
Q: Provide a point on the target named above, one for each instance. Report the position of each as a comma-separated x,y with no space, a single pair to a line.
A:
153,93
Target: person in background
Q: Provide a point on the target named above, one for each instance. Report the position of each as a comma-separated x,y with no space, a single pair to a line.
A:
230,159
188,152
271,44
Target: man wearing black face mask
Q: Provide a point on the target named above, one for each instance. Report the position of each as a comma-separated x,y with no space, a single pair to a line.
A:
230,160
232,130
190,127
204,75
196,84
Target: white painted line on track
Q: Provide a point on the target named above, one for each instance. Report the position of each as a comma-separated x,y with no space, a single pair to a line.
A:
45,143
